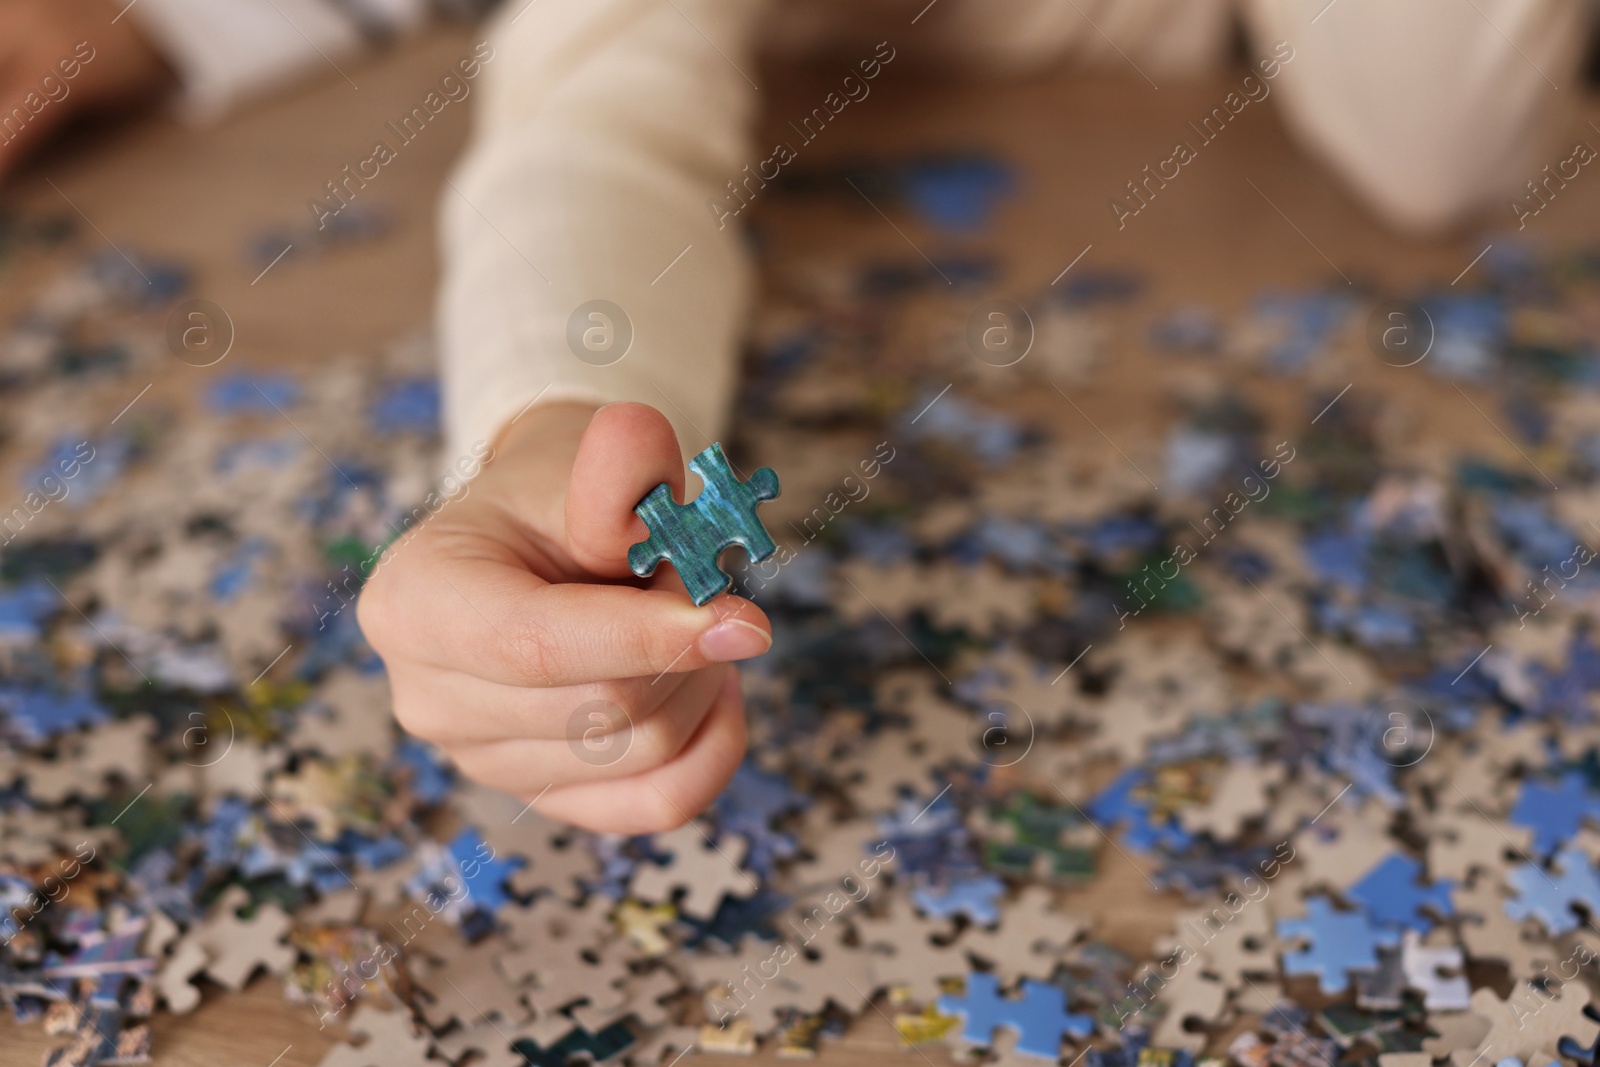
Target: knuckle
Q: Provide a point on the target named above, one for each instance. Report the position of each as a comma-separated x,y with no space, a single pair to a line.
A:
532,649
657,740
379,609
421,718
651,747
659,812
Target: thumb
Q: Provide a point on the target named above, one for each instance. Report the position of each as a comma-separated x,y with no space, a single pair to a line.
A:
627,450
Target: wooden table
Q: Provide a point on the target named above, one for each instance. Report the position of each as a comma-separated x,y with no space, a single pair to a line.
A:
1211,237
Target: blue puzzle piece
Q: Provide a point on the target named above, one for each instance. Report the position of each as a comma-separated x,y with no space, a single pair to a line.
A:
1549,895
1117,806
975,897
1554,812
1394,895
24,608
750,804
482,872
1039,1017
958,195
410,405
1339,942
692,536
36,715
253,394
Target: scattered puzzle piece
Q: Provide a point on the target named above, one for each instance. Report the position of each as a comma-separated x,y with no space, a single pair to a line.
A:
1549,895
1039,1016
1338,943
704,869
1394,896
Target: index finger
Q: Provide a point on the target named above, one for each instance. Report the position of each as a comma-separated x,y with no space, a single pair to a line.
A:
496,621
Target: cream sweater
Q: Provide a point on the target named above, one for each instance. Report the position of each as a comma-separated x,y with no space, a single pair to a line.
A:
606,127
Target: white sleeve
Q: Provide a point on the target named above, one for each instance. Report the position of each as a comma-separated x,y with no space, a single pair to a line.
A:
1432,110
604,129
225,51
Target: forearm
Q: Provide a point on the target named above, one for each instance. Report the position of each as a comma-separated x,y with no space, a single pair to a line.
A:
225,51
603,130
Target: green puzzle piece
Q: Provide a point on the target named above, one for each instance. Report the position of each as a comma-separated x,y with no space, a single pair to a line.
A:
692,536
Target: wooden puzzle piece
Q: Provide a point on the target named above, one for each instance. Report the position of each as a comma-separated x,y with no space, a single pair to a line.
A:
1527,1021
704,869
391,1040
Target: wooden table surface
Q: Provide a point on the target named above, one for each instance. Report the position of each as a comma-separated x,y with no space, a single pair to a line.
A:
1211,237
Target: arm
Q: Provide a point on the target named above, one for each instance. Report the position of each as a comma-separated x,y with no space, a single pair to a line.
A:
1432,110
62,58
604,128
225,51
514,633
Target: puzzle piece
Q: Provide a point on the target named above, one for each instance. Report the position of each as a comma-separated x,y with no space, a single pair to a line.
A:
976,897
233,948
1488,933
676,1041
1031,936
36,715
1339,942
1039,1016
559,861
1439,974
1549,896
391,1041
1460,845
1382,989
1123,803
706,870
1393,895
1192,996
642,995
1554,812
1528,1021
579,1043
482,871
903,951
692,536
99,1038
646,926
925,1027
466,987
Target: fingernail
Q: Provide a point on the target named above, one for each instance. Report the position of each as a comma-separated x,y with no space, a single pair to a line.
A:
733,639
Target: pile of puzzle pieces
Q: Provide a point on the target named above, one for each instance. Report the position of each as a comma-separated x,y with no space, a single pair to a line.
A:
1307,696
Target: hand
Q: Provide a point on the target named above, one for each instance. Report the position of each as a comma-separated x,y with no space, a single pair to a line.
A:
63,58
513,607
